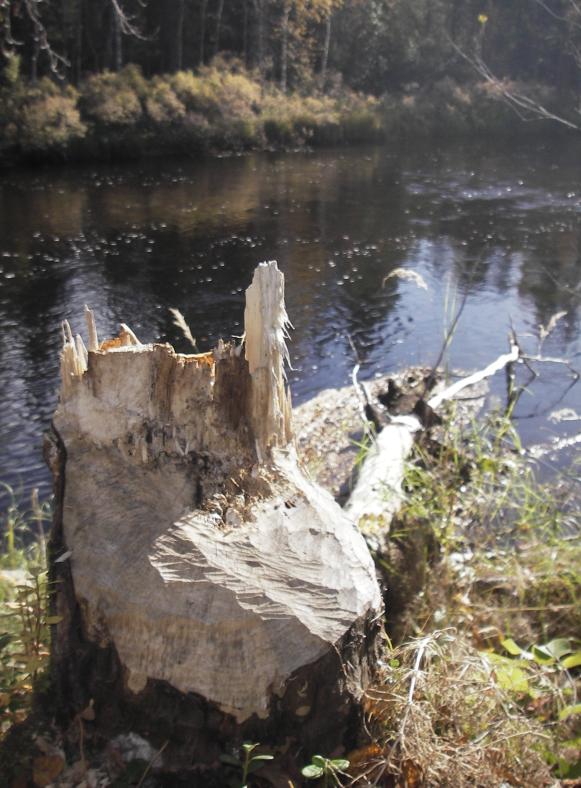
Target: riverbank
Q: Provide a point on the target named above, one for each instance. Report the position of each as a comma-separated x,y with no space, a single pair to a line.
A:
479,683
226,108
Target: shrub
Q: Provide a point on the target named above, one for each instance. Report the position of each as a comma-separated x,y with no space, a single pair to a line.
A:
162,104
114,98
41,118
218,94
11,71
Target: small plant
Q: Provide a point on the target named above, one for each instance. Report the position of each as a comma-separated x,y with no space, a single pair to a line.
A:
325,769
248,763
24,620
539,681
24,637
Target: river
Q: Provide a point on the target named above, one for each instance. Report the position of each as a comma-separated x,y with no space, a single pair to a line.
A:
498,225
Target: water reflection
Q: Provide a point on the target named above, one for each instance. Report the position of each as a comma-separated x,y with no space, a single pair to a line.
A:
501,226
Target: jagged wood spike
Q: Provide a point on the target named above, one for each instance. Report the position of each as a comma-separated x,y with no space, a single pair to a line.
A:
82,355
265,322
128,335
67,333
92,329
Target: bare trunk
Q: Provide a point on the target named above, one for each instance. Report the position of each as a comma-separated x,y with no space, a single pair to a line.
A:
219,13
34,57
326,47
245,35
78,57
284,50
117,41
259,11
209,593
177,49
202,53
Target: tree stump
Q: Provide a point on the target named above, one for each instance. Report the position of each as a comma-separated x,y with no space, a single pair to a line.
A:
208,591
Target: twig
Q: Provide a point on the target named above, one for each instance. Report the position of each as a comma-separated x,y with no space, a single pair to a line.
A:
368,413
415,673
491,369
150,764
525,107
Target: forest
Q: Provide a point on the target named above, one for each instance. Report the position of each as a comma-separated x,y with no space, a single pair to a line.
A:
372,45
202,74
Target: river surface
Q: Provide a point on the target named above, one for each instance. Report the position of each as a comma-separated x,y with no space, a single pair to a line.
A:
497,225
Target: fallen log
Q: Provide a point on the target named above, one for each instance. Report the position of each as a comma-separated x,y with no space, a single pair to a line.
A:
207,591
377,494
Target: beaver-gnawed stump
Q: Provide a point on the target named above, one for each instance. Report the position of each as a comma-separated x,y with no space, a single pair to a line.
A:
209,592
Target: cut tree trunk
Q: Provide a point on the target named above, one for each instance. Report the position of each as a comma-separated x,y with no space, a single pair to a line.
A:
209,593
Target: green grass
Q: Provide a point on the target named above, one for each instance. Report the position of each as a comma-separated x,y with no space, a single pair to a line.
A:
24,622
501,589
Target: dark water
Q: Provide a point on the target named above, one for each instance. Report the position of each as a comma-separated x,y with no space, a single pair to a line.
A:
502,225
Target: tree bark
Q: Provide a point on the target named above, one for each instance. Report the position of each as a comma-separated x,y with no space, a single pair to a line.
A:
208,592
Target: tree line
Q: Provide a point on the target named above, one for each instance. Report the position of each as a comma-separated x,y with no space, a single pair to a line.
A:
371,45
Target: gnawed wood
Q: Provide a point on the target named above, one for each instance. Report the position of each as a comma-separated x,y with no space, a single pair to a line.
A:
202,558
266,322
92,329
378,494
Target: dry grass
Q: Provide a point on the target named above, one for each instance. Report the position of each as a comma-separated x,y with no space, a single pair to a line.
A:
441,718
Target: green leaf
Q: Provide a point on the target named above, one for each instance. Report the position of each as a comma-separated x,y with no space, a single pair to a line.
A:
231,760
511,647
312,772
248,746
257,762
557,648
53,619
340,764
569,711
573,661
541,656
509,673
318,760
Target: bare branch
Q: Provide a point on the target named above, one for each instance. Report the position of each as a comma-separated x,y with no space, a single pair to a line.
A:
561,17
525,107
125,22
57,62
